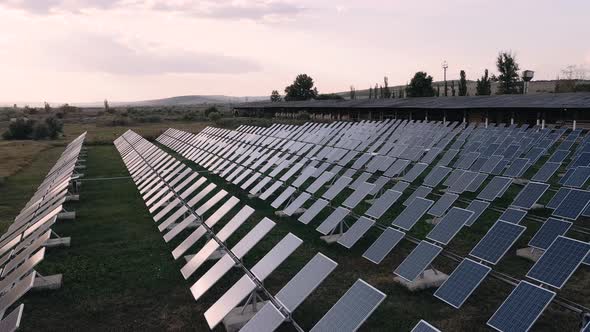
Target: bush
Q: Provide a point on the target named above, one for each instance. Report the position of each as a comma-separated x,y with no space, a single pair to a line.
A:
193,116
150,119
120,121
54,127
19,129
40,131
214,116
302,116
210,110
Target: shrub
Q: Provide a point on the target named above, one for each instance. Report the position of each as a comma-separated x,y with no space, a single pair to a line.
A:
302,116
210,110
214,116
119,121
40,131
54,127
19,129
193,116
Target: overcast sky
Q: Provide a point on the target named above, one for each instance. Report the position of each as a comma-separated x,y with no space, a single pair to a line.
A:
123,50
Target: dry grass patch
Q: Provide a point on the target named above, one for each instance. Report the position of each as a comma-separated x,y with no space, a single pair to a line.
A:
17,154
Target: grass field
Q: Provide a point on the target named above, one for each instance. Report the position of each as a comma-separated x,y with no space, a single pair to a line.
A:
119,274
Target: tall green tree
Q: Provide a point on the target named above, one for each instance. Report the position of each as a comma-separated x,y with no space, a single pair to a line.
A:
370,92
301,89
275,97
352,93
462,84
377,96
484,85
438,90
386,91
420,85
453,88
509,79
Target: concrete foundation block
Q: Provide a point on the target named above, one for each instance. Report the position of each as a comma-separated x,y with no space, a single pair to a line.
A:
47,282
72,198
193,225
329,239
430,279
433,221
537,207
80,167
66,215
370,201
529,253
59,242
520,181
252,196
239,316
299,212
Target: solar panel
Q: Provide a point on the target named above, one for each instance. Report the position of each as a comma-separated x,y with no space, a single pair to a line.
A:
11,321
559,261
250,180
355,232
276,256
383,203
495,188
412,213
420,192
283,197
415,172
478,208
500,167
558,198
333,220
319,182
313,211
449,225
435,177
490,164
551,229
352,309
579,177
397,167
573,204
476,182
418,260
258,187
296,204
462,283
546,171
522,308
401,186
358,195
383,245
236,294
17,291
529,195
516,168
305,281
270,190
336,188
463,182
424,326
443,204
559,156
497,241
267,319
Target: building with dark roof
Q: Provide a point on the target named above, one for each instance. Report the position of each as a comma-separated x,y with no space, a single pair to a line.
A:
564,109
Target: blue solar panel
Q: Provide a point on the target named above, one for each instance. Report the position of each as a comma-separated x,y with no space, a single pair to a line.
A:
566,176
517,167
437,174
443,204
418,260
582,160
558,198
513,216
495,188
573,204
494,245
546,171
579,177
383,245
462,282
449,225
412,213
522,308
477,207
490,164
529,195
558,156
420,192
551,229
559,262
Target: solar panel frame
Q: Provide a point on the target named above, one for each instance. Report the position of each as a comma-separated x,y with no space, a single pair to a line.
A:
267,319
578,178
424,326
419,259
462,282
435,177
336,188
383,245
229,300
353,316
512,308
383,203
358,195
498,241
558,198
420,192
283,197
559,262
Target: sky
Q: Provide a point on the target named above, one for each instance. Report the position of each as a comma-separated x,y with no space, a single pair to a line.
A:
127,50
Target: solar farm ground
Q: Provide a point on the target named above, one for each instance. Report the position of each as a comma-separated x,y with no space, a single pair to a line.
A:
119,274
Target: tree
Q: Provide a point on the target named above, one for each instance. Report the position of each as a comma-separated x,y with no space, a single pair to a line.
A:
370,92
22,128
106,105
386,91
509,79
301,89
462,84
54,126
352,93
275,97
438,90
453,88
375,91
47,107
329,96
484,85
420,85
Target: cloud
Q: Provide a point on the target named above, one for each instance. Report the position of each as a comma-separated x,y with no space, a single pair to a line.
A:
257,10
102,54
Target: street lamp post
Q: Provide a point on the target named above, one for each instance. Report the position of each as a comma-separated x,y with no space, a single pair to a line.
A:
445,65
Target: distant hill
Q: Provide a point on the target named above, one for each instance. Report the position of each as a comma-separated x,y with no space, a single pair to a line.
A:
189,100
